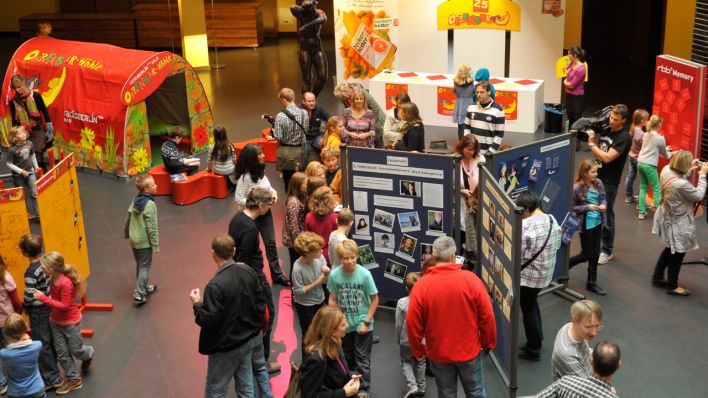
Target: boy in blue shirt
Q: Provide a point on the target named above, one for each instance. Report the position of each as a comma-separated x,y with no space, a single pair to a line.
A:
352,288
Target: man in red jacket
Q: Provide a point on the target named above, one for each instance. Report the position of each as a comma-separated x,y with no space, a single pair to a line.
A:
451,309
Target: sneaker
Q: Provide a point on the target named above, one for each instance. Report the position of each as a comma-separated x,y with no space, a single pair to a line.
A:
421,392
411,393
151,289
630,199
69,386
362,394
648,206
642,216
139,299
53,386
273,367
86,364
529,356
604,258
3,389
596,289
375,339
29,217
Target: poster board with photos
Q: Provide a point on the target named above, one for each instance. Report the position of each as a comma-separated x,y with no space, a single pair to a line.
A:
499,268
402,202
545,167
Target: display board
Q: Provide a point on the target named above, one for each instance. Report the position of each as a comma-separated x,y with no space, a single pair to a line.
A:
679,98
545,167
406,201
13,225
499,269
62,223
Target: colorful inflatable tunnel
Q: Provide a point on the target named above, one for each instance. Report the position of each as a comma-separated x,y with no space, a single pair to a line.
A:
106,101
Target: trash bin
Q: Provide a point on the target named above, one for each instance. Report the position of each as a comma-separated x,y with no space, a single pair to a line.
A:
553,118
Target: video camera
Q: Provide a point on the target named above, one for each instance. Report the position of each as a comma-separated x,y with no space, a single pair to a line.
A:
269,118
599,121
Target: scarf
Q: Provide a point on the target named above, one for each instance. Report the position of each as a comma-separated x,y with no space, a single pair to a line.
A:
26,110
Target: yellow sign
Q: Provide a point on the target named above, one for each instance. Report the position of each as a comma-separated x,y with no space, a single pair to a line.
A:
479,14
13,225
59,204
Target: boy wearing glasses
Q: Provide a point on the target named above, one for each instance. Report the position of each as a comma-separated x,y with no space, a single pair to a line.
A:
571,351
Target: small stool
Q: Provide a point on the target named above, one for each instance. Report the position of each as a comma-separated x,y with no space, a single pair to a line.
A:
204,184
162,179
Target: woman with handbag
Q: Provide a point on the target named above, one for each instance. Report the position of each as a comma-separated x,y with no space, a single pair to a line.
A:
674,220
324,372
540,240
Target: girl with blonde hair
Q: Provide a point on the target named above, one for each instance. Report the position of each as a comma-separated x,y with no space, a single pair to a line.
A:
464,90
653,146
321,219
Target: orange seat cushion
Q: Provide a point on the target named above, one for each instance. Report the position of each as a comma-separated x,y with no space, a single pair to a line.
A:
204,184
162,179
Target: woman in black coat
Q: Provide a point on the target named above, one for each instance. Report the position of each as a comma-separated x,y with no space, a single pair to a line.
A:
414,135
324,372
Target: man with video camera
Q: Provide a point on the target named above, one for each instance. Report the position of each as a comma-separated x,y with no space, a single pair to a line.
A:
611,151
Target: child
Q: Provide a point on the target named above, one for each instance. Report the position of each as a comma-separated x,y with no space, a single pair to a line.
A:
141,229
65,319
38,313
9,303
315,169
653,146
394,124
464,91
222,157
23,163
352,287
333,175
413,139
345,220
310,273
321,219
173,158
589,204
413,369
637,129
294,219
333,136
19,360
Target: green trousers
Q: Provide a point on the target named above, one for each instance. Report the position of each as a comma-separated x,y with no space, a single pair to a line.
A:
648,174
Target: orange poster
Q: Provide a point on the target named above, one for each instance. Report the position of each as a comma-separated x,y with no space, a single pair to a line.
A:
508,100
392,91
446,101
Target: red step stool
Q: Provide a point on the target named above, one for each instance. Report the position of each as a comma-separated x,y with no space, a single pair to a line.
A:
162,179
269,145
204,184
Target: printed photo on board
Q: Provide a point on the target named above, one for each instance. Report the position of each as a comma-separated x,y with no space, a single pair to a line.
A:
366,257
435,220
408,244
383,220
395,270
426,252
362,224
410,188
384,242
409,221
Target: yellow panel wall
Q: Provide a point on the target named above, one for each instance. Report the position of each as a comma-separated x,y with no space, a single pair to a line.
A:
678,31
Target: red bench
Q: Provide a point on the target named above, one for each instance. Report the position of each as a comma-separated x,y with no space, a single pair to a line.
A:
162,179
204,184
269,145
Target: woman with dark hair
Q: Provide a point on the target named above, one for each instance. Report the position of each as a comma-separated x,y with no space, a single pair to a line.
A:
250,172
173,158
222,157
468,148
540,240
674,221
325,373
414,133
574,84
394,125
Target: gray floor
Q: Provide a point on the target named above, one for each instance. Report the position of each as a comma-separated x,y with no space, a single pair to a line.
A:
152,351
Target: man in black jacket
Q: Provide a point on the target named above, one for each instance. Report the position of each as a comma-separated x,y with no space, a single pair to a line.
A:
318,117
231,318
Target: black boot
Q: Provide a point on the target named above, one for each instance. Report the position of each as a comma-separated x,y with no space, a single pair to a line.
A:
592,285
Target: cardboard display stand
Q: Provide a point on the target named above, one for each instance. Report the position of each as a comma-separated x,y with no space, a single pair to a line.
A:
402,201
499,268
13,225
545,167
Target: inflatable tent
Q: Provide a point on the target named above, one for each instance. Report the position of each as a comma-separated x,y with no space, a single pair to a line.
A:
105,101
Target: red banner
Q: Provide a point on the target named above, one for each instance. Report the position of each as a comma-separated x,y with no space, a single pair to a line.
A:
508,100
679,95
446,101
392,91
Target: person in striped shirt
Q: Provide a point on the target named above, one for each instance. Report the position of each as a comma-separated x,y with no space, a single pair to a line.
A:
605,362
485,119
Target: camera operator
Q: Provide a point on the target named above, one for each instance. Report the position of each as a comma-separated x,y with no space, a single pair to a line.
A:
611,152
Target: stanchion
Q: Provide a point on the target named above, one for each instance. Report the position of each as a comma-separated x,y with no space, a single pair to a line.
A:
86,306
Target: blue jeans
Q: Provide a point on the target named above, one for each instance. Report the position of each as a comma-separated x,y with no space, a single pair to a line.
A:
235,363
631,176
41,331
608,230
143,262
30,193
471,377
260,371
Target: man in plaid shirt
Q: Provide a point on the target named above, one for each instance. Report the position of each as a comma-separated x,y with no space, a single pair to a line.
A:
539,273
290,133
605,362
